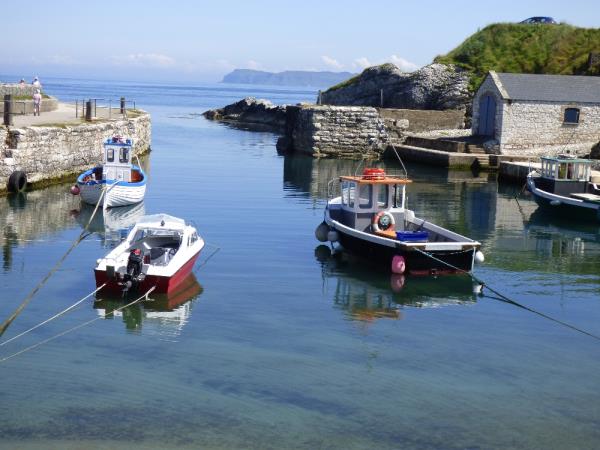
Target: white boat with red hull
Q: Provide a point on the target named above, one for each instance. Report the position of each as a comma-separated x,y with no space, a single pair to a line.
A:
370,218
160,251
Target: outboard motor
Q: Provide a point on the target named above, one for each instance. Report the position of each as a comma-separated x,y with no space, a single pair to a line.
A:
134,269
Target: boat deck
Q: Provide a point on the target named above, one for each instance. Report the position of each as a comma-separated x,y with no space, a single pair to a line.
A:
593,198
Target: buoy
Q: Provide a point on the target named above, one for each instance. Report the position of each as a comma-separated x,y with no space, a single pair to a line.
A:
17,181
321,232
477,289
398,264
333,236
75,190
479,257
397,282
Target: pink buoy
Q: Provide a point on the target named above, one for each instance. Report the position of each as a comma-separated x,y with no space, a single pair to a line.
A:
398,264
397,282
75,190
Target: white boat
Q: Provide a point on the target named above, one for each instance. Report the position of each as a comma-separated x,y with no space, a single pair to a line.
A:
564,185
370,218
123,183
160,251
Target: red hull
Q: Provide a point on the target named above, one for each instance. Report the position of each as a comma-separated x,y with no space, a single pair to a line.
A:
164,285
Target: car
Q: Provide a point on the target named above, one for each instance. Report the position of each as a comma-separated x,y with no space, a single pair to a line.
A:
539,20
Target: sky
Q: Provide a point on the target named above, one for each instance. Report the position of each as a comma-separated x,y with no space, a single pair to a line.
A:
202,41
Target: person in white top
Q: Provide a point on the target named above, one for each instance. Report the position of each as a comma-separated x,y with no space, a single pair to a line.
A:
37,101
36,83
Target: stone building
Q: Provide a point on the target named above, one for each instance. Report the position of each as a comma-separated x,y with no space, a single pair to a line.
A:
533,114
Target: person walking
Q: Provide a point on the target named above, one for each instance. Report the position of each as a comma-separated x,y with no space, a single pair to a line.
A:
37,101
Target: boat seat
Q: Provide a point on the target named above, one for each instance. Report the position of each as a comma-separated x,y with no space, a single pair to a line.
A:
161,256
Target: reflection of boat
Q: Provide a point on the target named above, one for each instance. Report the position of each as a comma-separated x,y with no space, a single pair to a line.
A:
366,293
164,310
159,252
109,220
370,218
564,184
124,182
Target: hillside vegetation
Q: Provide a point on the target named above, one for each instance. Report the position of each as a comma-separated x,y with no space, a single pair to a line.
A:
522,48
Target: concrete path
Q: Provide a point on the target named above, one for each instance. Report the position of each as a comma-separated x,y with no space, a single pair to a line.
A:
63,115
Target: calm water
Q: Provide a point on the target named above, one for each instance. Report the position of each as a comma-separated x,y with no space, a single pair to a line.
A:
282,345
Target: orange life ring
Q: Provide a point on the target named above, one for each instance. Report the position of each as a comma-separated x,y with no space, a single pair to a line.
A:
373,173
384,223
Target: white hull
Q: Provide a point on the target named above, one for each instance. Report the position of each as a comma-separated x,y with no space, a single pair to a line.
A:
116,196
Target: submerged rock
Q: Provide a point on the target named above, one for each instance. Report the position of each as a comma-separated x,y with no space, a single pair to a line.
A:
437,86
250,111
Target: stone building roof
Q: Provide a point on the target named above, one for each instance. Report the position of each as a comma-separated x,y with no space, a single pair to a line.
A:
548,88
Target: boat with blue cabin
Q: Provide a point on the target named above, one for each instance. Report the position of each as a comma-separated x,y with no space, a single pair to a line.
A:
123,182
370,218
564,184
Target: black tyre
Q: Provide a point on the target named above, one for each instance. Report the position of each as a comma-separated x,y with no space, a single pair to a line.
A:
17,182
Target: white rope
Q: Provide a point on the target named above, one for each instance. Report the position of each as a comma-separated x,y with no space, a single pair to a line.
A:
76,327
56,316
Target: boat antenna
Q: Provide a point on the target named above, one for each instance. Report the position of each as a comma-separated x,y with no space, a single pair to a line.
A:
400,159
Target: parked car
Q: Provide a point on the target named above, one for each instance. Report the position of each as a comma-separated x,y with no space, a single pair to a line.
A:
539,20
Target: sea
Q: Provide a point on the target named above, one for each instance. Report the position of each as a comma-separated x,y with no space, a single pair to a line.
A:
277,342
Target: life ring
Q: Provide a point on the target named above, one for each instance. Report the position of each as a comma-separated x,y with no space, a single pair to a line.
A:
17,181
384,222
373,173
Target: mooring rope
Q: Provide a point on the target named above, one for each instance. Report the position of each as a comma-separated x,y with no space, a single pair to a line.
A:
216,250
80,238
505,299
56,316
45,341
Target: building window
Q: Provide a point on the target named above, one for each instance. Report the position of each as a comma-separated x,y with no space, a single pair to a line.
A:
571,115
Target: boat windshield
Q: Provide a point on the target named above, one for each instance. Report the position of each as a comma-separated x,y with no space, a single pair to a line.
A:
150,232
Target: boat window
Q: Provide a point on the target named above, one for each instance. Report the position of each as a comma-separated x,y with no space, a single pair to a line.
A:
571,115
351,194
383,195
365,196
345,192
110,155
398,196
124,155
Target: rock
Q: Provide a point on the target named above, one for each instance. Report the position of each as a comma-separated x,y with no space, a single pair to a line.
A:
250,111
595,152
436,86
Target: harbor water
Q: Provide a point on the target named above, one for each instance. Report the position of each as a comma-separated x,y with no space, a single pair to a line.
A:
276,342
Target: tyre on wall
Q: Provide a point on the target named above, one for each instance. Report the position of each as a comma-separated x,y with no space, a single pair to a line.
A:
17,182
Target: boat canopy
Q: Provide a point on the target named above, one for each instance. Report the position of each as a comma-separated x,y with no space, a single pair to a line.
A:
161,220
372,192
566,168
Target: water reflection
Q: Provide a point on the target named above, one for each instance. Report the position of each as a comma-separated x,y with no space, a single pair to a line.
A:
366,293
31,216
113,224
164,314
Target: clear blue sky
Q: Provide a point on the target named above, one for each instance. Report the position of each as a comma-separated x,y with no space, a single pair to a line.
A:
201,41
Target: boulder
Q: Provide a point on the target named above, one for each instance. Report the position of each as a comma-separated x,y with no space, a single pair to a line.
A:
436,86
250,111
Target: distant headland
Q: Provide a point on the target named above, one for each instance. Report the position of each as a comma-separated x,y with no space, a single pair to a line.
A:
287,78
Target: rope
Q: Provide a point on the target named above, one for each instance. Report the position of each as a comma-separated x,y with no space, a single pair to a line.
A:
80,238
505,299
45,341
56,316
209,257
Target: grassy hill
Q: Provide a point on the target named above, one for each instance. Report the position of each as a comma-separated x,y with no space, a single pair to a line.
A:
521,48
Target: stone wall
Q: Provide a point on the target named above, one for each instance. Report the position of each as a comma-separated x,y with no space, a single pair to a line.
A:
488,87
26,106
426,120
51,153
16,90
530,127
339,131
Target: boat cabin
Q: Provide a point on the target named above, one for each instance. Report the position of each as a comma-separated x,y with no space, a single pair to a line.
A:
117,160
564,175
364,197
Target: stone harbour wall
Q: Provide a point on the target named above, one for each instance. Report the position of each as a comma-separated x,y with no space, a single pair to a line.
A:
336,131
52,153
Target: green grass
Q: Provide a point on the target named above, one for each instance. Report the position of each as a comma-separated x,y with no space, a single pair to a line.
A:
521,48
